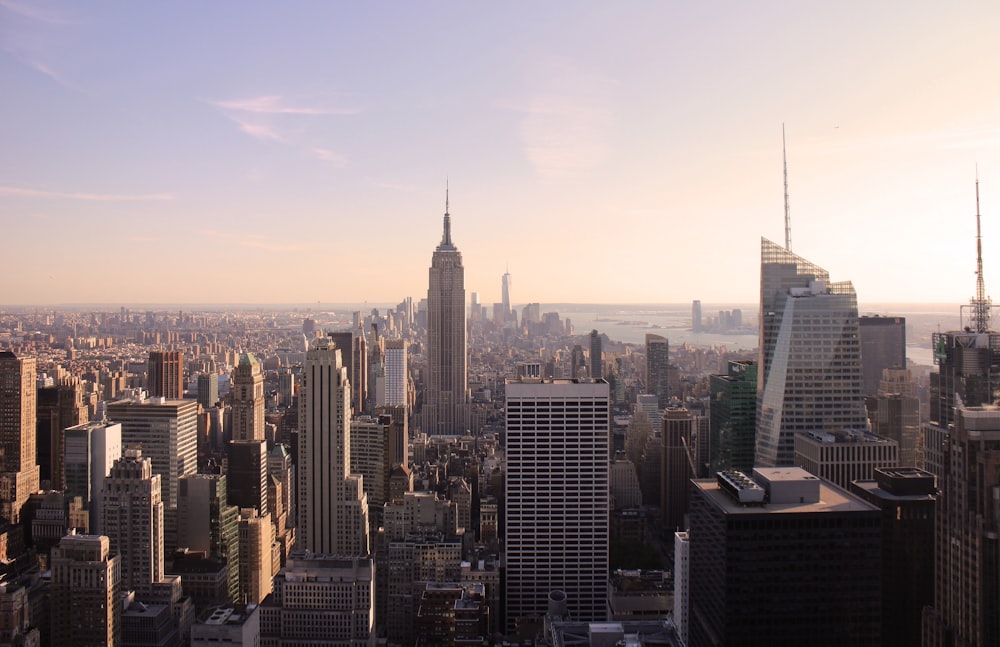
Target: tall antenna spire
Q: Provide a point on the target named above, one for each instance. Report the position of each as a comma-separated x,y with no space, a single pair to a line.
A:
788,212
981,305
446,237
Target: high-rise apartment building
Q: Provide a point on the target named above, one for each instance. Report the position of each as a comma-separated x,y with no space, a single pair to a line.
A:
396,374
556,513
19,472
132,519
89,451
332,506
166,374
658,369
247,389
446,399
596,355
883,346
809,358
967,540
804,569
86,590
733,417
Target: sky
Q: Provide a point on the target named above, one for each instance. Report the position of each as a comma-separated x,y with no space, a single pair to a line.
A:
612,152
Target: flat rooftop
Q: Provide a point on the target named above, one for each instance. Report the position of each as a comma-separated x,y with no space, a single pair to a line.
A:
831,498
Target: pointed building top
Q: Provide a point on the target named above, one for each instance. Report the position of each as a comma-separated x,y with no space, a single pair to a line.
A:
446,243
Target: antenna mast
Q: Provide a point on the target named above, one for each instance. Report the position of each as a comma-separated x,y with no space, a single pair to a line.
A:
981,305
788,213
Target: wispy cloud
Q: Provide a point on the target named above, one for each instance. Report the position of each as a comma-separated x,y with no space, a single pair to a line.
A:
36,13
273,118
565,123
329,156
87,197
276,105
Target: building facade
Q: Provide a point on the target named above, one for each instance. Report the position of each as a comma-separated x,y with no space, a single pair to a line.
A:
557,507
19,471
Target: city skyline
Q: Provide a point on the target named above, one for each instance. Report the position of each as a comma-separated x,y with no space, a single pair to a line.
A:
178,138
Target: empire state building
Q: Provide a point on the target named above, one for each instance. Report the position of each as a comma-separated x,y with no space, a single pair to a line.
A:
446,401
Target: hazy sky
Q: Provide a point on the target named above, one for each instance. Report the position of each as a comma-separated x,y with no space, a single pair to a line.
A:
609,152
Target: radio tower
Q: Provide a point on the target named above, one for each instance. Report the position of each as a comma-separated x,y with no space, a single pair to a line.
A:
788,213
980,305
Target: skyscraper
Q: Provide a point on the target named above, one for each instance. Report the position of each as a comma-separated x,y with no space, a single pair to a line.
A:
557,496
883,345
354,355
59,406
166,374
596,355
332,506
675,468
208,390
89,451
19,473
446,399
810,357
696,316
132,518
207,523
248,399
804,569
505,295
86,585
967,534
396,375
658,369
733,413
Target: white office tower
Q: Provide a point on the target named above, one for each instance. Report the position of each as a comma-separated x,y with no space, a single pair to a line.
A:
89,451
557,489
810,355
395,373
332,506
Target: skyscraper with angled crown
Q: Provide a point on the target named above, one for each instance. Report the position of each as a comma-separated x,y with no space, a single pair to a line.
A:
446,401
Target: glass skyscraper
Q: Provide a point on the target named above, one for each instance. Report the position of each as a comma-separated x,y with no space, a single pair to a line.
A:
810,355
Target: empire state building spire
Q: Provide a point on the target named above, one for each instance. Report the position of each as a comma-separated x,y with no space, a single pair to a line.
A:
446,243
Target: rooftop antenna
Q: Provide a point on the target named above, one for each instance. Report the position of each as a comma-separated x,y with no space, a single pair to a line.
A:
446,237
788,213
981,304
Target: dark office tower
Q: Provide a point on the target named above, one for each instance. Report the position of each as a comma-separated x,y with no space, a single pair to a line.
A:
596,355
883,345
332,506
247,483
897,415
18,415
446,398
804,569
557,489
967,537
85,592
658,369
59,407
733,415
676,467
354,354
577,362
696,316
906,497
206,523
166,374
208,390
810,358
248,399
